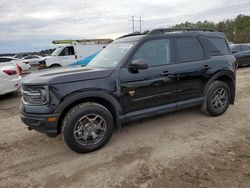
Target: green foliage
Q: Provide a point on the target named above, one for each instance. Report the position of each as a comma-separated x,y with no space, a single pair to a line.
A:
237,30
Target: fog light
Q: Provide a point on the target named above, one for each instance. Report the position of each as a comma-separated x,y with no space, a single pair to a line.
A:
52,119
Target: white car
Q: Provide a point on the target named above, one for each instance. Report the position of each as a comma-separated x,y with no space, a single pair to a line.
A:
10,80
32,59
25,66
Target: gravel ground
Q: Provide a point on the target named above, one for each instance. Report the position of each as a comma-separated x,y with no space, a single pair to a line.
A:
182,149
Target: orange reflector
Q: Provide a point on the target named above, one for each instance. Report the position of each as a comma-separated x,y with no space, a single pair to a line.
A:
52,119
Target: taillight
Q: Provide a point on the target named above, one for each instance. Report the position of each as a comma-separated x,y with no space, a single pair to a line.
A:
10,72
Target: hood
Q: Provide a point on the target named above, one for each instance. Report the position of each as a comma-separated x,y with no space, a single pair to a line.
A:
64,75
50,58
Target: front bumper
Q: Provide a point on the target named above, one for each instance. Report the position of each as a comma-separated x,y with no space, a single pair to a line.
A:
42,65
39,122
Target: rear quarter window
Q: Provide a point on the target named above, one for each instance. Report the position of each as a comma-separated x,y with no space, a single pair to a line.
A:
218,46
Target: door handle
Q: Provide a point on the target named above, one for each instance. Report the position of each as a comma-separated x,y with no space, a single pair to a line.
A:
167,73
206,67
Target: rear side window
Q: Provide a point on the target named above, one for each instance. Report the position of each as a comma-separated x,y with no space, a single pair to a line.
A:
189,49
218,46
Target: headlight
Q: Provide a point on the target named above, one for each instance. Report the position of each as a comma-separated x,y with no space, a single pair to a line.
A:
35,95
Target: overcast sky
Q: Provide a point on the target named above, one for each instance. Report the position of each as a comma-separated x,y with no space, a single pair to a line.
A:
31,25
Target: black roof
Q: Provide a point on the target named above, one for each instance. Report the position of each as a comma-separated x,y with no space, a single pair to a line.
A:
171,32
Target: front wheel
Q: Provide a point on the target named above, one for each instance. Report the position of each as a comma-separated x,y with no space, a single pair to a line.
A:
217,99
55,66
87,127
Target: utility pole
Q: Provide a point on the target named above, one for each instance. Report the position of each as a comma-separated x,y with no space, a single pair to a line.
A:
134,19
133,23
140,23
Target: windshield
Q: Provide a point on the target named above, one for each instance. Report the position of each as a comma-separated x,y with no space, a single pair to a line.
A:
56,51
111,56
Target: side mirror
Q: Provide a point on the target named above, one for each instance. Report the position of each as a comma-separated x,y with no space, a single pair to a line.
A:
138,64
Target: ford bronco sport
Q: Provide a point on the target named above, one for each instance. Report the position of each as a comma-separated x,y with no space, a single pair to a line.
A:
133,77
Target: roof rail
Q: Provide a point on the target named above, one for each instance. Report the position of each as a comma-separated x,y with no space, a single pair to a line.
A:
164,30
130,34
85,41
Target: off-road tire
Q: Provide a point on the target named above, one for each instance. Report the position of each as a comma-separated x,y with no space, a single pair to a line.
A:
207,106
75,114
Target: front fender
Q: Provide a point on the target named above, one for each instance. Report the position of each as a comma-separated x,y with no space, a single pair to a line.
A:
89,94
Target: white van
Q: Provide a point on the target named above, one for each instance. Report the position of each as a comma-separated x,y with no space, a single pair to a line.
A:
80,52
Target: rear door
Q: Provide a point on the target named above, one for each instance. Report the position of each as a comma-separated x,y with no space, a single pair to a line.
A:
191,67
67,56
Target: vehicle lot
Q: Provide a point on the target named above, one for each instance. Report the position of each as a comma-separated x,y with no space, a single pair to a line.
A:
182,149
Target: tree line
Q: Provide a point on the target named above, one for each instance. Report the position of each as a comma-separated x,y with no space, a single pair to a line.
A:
237,30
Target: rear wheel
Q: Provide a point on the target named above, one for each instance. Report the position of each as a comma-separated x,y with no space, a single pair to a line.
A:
87,127
217,99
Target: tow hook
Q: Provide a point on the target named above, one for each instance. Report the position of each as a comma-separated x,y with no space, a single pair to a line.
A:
30,128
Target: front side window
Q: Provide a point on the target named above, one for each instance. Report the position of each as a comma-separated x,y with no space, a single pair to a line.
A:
189,49
155,52
67,51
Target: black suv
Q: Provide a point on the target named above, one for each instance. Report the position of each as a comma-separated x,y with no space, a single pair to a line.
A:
133,77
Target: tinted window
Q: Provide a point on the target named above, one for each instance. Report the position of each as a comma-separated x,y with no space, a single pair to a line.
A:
188,49
218,46
245,47
33,57
156,52
5,60
67,51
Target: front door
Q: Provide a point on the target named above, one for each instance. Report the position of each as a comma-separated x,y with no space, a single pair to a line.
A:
153,86
67,56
